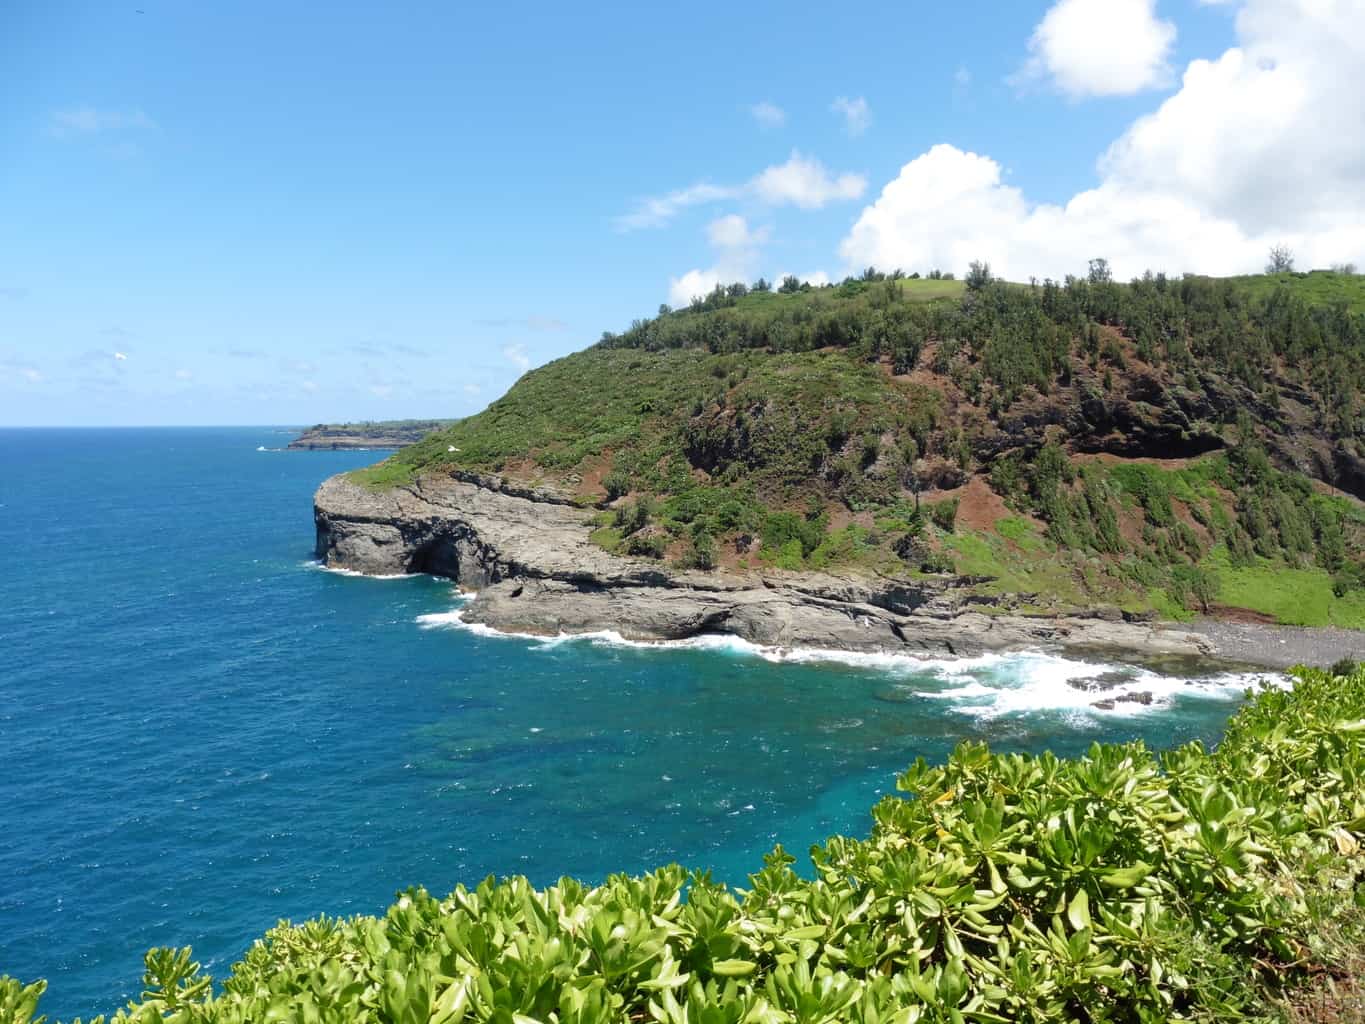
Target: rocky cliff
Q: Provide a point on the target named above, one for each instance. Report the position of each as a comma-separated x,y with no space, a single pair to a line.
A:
528,556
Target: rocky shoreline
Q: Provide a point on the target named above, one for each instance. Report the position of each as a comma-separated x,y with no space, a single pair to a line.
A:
309,443
527,554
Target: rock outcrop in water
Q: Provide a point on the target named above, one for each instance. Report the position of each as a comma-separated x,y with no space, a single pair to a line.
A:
527,554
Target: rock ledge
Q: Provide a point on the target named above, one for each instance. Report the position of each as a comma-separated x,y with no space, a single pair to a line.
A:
528,556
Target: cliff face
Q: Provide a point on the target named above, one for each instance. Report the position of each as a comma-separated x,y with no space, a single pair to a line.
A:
528,556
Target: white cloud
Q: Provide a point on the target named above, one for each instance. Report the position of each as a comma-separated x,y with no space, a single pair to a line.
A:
857,117
737,252
804,182
962,77
309,386
31,375
516,355
732,232
694,284
768,115
184,375
381,390
89,121
120,357
1258,147
471,389
658,211
801,181
1100,48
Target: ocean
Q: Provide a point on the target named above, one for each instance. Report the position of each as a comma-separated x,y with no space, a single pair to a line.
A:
202,732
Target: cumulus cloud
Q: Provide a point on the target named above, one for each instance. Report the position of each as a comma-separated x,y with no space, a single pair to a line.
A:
805,182
737,249
1100,48
768,115
1257,147
857,117
120,357
802,181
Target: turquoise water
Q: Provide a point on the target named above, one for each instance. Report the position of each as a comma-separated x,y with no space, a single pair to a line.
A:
201,732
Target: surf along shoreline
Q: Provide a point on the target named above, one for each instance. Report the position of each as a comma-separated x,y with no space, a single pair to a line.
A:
526,554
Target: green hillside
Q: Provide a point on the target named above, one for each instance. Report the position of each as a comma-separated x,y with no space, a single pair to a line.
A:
1166,445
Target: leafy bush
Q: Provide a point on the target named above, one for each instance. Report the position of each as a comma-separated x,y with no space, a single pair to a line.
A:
938,562
943,514
1149,486
781,528
633,517
616,483
703,552
1193,588
1119,886
646,544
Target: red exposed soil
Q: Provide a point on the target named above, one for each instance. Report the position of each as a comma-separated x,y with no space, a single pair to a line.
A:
1228,613
593,471
978,507
1130,525
840,516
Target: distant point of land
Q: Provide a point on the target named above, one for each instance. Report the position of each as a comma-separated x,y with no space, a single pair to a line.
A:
369,434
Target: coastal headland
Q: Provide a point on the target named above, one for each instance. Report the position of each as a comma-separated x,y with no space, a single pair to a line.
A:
526,553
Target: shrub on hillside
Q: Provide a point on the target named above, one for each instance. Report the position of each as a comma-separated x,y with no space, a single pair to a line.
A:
943,514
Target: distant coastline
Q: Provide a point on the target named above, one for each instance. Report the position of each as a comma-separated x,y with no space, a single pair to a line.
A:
363,436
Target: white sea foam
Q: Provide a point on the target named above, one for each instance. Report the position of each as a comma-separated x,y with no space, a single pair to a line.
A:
315,564
985,686
1032,680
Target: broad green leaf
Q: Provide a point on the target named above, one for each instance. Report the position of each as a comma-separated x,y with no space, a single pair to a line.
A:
733,968
1078,911
1126,878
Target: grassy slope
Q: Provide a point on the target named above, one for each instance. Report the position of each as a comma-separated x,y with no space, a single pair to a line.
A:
1320,287
810,432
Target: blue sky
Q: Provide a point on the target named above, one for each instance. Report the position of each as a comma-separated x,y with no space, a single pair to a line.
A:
276,213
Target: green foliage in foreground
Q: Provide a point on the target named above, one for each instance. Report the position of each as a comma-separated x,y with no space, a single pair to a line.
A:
1120,886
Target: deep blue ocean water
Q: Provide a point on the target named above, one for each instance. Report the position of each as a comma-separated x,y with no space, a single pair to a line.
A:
201,732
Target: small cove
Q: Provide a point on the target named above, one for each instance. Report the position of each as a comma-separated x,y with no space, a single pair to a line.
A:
203,733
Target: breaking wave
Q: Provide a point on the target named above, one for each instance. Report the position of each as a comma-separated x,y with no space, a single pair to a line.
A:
985,686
